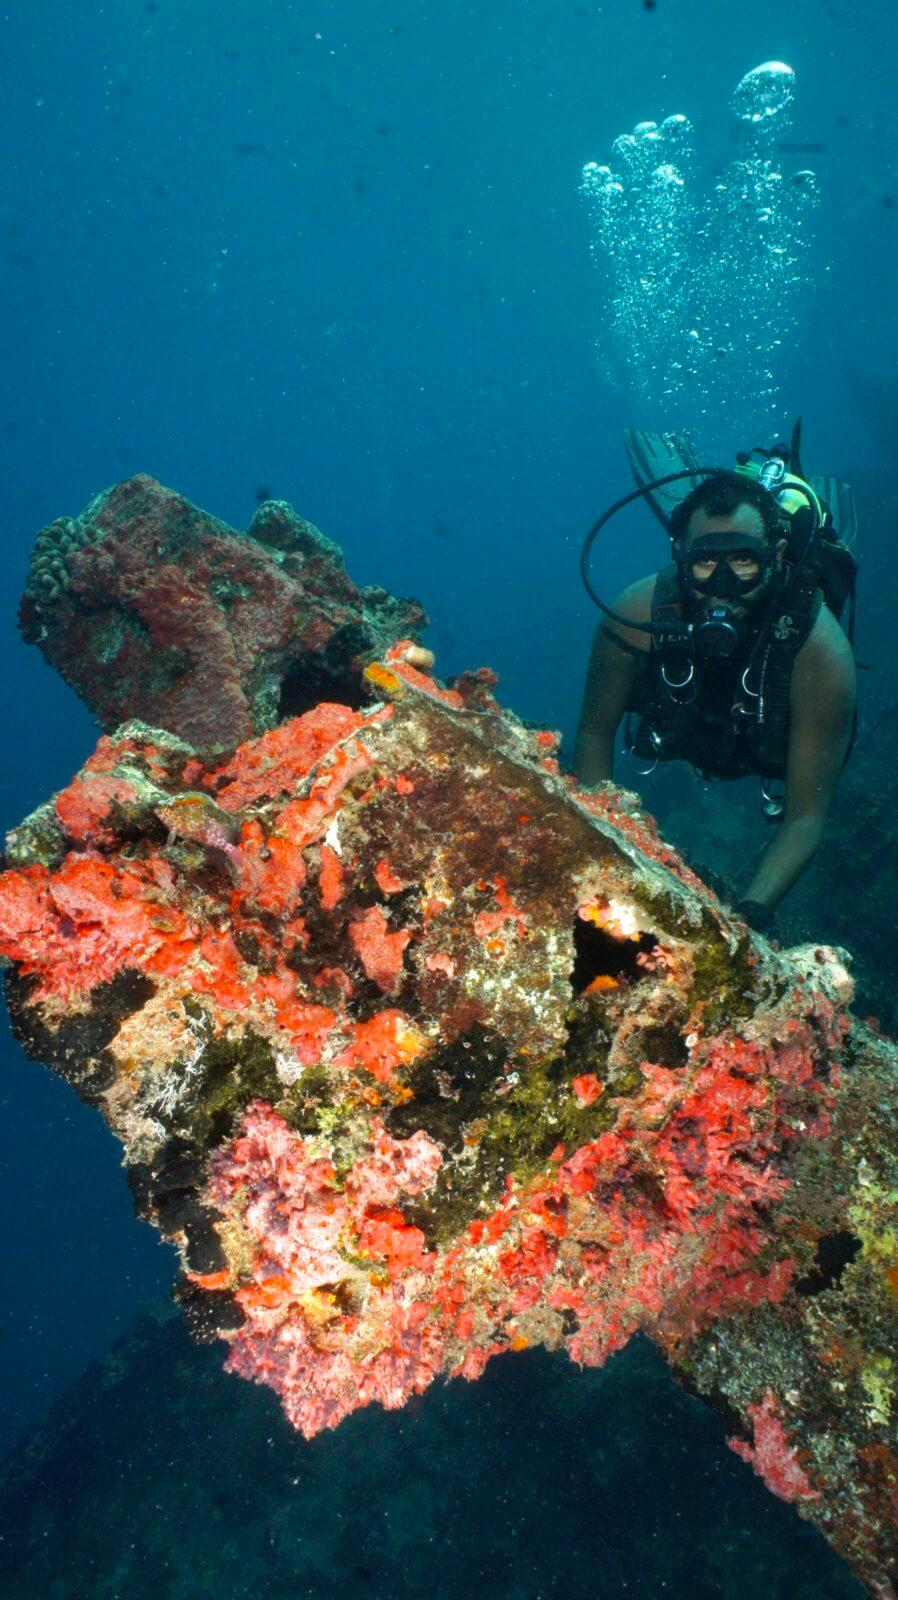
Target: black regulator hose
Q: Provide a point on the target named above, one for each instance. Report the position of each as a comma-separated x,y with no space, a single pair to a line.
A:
635,494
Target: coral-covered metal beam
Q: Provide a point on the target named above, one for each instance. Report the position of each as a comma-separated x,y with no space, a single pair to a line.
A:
419,1055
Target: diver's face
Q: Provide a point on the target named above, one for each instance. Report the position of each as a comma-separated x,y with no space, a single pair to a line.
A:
743,549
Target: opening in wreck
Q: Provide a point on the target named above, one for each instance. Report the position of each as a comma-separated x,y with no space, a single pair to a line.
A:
332,676
835,1252
599,954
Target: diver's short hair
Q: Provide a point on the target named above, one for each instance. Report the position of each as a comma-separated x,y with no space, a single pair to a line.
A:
719,495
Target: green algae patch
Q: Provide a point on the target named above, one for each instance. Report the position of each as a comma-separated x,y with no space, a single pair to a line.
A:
510,1124
228,1074
723,979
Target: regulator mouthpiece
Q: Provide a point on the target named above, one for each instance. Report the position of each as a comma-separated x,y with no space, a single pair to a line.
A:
717,636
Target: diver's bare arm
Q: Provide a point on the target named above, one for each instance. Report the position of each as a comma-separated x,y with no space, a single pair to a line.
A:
613,665
822,707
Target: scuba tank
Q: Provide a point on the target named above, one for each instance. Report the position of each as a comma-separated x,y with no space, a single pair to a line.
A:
814,543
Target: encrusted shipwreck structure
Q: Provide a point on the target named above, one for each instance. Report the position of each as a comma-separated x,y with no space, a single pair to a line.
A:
420,1055
146,603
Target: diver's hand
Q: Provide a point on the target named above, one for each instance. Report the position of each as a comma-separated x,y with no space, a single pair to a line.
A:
757,916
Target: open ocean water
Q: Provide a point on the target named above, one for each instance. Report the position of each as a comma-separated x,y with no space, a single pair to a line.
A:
345,253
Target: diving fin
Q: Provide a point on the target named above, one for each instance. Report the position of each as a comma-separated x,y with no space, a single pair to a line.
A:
654,455
839,500
795,451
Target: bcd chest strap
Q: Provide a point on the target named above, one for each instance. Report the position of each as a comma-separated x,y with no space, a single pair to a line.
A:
737,722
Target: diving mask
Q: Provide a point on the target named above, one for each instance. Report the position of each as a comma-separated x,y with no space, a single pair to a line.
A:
725,581
742,563
719,627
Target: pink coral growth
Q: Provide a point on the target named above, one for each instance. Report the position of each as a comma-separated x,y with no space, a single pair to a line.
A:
379,1045
331,885
308,1234
489,922
378,949
84,807
81,925
272,764
392,1167
772,1456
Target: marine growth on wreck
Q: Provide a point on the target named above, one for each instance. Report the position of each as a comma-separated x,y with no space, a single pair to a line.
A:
420,1054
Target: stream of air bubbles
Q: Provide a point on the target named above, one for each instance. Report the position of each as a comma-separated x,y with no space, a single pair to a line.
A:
704,282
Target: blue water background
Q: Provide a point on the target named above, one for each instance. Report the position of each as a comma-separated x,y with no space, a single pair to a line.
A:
336,251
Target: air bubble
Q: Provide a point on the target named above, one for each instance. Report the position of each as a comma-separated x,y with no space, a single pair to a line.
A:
764,93
667,175
730,257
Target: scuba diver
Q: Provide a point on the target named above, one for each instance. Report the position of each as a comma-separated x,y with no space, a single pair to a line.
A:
732,657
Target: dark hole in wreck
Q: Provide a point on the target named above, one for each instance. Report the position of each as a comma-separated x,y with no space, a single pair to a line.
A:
334,674
598,954
835,1252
